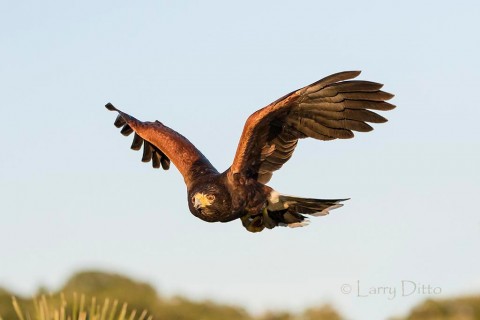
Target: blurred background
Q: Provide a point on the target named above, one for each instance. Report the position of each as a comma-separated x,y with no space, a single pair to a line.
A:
76,202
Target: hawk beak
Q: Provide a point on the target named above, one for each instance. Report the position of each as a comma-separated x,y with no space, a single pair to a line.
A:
197,204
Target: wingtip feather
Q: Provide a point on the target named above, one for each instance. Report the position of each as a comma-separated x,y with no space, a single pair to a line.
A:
328,80
110,107
349,73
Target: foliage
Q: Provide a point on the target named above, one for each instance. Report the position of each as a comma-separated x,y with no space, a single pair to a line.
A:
98,289
464,308
325,312
57,308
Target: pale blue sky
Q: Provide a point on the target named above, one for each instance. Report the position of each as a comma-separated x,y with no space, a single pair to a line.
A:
74,196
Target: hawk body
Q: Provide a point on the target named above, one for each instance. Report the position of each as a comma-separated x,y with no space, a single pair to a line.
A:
331,108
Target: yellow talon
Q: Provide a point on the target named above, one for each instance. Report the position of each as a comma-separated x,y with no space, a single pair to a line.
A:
253,225
267,221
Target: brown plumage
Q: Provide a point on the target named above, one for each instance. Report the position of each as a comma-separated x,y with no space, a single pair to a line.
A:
331,108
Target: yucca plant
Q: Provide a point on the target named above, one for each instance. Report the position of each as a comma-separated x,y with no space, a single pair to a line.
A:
56,308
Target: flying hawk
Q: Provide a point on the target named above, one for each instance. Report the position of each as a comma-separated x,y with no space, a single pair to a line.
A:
328,109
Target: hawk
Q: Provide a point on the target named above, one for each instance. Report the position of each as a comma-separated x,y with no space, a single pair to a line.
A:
331,108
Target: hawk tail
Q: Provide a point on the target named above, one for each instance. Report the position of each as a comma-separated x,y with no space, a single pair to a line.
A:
289,211
314,207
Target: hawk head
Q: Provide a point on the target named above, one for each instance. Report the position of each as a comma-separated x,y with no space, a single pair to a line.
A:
209,202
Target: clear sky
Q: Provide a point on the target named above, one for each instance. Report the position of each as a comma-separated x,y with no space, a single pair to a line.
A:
73,196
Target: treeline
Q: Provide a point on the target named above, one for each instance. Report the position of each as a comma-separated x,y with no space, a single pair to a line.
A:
140,296
462,308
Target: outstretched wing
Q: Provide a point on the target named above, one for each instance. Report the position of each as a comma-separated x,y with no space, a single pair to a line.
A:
162,144
328,109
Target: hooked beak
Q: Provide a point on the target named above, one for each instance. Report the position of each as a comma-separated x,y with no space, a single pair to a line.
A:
197,204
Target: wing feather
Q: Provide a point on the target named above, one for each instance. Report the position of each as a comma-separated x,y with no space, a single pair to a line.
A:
331,108
137,142
126,130
162,144
155,160
119,122
147,151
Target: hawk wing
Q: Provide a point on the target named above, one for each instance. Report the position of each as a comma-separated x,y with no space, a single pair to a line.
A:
328,109
162,144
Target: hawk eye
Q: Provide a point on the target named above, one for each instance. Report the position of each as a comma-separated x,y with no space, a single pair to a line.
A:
210,197
193,199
